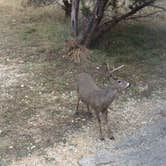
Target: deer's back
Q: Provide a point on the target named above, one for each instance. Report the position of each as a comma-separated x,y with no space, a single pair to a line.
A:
91,94
85,84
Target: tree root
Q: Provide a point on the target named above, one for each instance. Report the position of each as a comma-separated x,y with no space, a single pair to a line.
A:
75,55
75,51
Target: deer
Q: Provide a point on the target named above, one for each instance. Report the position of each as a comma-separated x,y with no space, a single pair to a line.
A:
99,99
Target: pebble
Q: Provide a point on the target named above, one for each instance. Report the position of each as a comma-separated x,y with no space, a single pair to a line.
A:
97,67
10,147
33,147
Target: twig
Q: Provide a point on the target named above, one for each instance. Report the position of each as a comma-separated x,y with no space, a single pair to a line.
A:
141,16
159,7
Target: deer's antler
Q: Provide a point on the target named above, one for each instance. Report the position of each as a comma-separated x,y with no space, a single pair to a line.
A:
116,69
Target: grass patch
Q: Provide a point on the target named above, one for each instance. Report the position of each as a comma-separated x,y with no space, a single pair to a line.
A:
9,117
28,33
50,76
133,43
56,33
46,36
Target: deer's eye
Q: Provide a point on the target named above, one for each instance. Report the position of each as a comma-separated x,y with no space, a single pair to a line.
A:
119,81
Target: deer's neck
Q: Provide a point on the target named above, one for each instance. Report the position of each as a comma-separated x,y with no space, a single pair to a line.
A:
111,92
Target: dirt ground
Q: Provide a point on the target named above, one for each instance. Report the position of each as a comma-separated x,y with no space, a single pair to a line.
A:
37,99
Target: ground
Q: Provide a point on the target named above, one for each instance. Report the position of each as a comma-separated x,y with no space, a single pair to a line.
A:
37,100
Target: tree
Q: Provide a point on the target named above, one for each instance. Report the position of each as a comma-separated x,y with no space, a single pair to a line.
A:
100,16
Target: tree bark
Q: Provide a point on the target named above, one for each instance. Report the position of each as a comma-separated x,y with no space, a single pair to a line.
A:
86,36
67,7
74,17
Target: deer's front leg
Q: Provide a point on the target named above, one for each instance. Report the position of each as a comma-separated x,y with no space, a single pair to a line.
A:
109,131
88,108
99,123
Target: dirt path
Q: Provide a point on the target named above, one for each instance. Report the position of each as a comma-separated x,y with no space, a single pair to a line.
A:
37,103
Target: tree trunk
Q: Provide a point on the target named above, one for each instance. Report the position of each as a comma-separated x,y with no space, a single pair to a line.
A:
85,38
74,17
67,8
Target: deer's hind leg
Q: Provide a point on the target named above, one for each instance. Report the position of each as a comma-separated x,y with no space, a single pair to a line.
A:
89,110
109,131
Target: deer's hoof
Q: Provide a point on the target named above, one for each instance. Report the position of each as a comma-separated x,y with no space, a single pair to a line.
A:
112,138
102,139
89,114
76,113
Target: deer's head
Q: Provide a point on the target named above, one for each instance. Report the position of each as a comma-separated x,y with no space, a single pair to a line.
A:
118,83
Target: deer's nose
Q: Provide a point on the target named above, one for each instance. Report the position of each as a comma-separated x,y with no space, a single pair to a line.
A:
128,85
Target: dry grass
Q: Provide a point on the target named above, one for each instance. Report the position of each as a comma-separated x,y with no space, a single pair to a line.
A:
11,3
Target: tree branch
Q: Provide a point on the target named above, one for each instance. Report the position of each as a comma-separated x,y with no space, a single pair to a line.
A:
109,24
158,7
146,15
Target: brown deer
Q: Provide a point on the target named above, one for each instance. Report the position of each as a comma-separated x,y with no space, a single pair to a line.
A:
99,99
